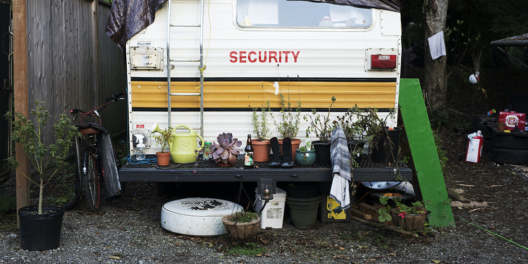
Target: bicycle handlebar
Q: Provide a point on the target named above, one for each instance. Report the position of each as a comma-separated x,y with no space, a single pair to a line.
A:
111,99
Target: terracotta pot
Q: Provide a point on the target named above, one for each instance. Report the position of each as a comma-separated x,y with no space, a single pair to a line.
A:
411,222
241,230
163,158
295,142
261,150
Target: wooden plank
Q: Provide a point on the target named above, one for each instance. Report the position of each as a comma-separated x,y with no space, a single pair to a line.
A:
424,154
20,56
355,212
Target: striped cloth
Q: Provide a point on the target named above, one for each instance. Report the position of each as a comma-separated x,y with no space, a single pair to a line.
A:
340,168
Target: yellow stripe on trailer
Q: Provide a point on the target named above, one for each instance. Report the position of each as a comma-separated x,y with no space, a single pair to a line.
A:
242,94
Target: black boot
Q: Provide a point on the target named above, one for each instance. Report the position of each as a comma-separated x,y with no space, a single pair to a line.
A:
287,161
276,159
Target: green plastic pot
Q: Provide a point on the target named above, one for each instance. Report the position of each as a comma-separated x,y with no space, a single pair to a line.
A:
307,159
303,212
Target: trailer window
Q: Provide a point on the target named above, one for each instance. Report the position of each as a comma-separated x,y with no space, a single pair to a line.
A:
300,14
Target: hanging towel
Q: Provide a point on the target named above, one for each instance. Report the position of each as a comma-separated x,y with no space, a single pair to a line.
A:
437,45
340,168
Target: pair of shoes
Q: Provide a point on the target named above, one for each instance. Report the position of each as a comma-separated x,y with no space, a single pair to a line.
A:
277,160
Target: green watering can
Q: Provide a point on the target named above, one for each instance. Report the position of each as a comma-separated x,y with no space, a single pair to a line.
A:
183,146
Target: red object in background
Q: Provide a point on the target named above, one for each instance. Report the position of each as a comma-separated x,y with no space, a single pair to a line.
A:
383,61
474,149
512,119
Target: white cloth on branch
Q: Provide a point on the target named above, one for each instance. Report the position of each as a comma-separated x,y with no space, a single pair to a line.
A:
437,45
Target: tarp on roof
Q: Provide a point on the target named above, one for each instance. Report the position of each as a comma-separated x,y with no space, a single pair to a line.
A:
521,40
128,17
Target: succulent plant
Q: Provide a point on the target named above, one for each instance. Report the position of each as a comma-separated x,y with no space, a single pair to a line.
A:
225,150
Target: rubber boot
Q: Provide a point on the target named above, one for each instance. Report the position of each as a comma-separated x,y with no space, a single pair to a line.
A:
276,160
287,160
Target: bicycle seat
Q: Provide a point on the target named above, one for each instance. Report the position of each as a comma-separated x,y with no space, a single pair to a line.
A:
91,128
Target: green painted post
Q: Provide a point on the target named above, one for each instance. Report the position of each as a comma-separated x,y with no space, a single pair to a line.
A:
423,149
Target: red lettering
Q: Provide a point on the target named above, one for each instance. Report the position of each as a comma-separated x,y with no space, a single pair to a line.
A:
273,55
265,57
286,55
242,57
233,56
295,55
249,56
280,56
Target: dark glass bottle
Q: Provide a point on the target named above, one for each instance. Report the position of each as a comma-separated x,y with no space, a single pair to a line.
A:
248,156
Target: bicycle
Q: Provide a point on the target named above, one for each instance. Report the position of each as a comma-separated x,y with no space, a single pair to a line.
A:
95,160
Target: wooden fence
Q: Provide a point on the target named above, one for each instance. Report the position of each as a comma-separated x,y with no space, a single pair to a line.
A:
61,68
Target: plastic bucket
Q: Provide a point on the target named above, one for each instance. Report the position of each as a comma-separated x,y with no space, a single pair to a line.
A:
303,212
40,232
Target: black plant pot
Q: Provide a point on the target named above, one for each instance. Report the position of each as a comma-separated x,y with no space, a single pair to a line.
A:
322,153
40,232
354,144
381,153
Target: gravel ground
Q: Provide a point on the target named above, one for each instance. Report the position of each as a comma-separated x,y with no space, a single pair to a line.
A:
128,230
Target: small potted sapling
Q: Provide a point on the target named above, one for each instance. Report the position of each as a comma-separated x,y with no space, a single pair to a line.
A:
305,155
242,225
163,137
288,126
322,127
409,218
40,226
261,145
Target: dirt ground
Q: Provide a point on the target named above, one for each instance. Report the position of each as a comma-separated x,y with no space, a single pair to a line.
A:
503,187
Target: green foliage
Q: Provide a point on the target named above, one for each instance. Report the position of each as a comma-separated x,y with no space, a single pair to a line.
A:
321,125
30,136
163,137
402,209
441,153
244,217
7,202
439,117
248,249
289,126
260,122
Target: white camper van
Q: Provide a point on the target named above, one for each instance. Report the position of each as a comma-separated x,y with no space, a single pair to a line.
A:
254,51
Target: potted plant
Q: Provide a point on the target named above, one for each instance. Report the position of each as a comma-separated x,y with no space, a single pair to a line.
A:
384,141
305,155
163,138
409,218
288,127
261,145
40,226
354,130
241,225
225,152
322,127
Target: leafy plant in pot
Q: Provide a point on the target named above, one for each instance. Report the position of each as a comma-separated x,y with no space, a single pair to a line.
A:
322,127
384,140
241,225
261,145
288,126
163,138
40,226
354,127
305,155
409,218
226,151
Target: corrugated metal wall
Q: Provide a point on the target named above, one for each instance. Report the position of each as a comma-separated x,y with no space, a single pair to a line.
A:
60,68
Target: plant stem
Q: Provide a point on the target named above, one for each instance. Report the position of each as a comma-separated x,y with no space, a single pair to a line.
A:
40,194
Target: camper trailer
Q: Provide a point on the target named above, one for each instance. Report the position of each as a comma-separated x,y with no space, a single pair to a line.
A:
207,64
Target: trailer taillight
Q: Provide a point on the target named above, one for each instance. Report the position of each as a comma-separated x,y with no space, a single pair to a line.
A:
383,61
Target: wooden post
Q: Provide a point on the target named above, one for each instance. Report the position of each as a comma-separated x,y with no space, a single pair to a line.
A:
20,59
95,53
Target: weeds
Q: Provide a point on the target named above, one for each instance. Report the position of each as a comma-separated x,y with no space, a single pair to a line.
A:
248,249
441,153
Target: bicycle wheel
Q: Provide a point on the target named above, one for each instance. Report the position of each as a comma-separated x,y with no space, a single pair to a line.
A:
77,177
92,182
